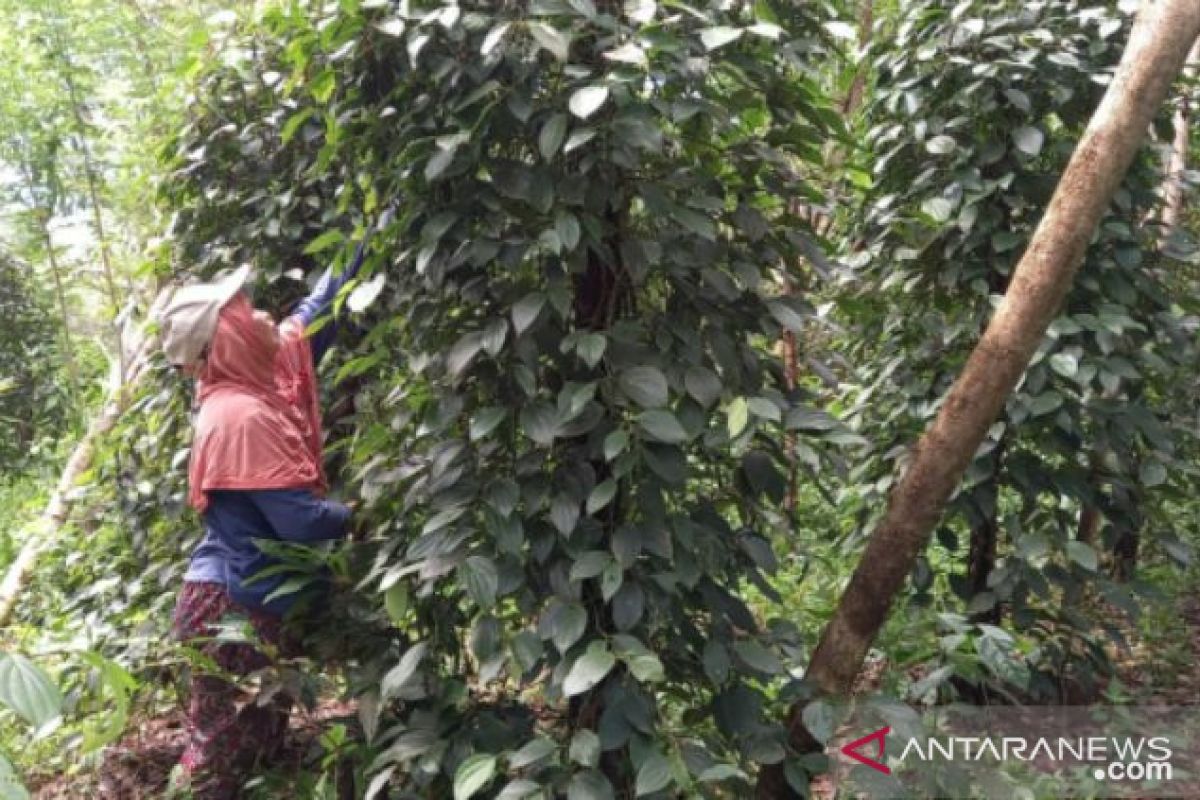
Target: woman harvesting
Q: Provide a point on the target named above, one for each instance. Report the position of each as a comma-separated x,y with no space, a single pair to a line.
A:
255,473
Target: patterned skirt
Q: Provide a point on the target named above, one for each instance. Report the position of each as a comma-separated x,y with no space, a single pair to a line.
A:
228,731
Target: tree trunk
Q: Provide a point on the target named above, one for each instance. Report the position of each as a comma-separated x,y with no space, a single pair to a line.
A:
1173,180
89,170
54,517
1162,35
858,87
1089,513
981,557
43,216
61,296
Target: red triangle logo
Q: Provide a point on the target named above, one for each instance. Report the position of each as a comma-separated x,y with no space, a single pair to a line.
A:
877,737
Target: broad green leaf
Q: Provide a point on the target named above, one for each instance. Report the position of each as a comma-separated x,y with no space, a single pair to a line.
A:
601,496
1083,554
586,8
578,138
493,38
564,513
28,690
940,145
810,419
525,311
463,353
611,580
587,101
588,670
1003,241
939,208
325,241
695,222
719,36
757,657
1044,403
590,564
551,137
365,294
566,225
1152,473
654,775
627,606
295,121
591,347
494,336
644,665
395,600
551,39
720,772
482,580
662,426
703,385
399,675
585,748
646,668
1064,364
323,85
486,420
531,752
392,27
640,11
518,789
11,787
766,409
439,162
930,682
589,785
568,625
615,444
527,649
1029,140
473,774
1033,547
818,718
628,53
786,315
842,30
369,711
645,385
540,423
738,415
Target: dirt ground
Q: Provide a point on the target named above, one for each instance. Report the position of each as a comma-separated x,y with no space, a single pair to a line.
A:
139,766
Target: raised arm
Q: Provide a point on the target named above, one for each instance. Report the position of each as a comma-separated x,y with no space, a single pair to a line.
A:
319,299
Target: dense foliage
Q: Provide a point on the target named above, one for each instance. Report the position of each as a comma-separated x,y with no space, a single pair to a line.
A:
33,399
975,112
557,400
567,433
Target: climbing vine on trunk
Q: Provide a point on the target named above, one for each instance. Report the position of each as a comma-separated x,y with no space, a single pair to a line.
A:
568,435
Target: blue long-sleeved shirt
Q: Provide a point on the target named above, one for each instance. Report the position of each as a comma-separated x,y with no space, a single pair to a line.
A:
320,298
233,519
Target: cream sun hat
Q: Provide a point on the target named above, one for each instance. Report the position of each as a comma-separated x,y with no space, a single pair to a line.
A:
189,319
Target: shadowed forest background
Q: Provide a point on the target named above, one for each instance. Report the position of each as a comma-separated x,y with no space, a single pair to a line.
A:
667,295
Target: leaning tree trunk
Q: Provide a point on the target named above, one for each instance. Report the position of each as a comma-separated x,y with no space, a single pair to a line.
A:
54,517
1162,35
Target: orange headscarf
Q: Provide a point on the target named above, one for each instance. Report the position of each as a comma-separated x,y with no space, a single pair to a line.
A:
259,425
